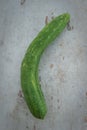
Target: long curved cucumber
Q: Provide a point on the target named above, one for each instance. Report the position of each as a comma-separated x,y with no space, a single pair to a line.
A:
29,67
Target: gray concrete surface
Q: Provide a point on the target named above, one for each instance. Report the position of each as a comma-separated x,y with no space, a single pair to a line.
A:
62,69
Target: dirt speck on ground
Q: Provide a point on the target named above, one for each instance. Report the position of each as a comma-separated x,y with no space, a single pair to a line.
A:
22,2
39,78
80,50
20,94
80,53
34,127
27,127
19,107
58,107
61,44
58,100
26,113
51,97
1,42
14,114
46,20
61,75
86,94
85,119
63,57
51,66
69,27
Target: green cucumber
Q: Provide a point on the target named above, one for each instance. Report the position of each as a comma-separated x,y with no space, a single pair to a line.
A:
29,68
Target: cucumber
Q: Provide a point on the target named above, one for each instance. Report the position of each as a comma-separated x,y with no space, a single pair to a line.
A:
29,68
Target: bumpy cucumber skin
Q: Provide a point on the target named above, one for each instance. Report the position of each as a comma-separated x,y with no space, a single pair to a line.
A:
29,68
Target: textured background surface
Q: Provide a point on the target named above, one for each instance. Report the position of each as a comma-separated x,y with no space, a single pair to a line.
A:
62,69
